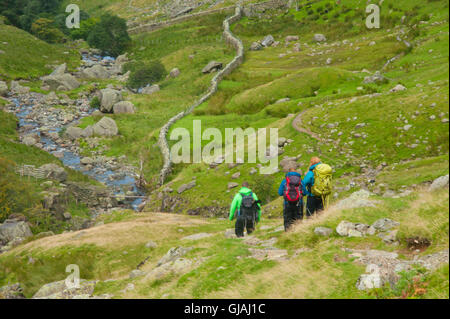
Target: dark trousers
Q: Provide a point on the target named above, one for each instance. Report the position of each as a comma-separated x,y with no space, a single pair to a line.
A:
314,204
291,213
242,223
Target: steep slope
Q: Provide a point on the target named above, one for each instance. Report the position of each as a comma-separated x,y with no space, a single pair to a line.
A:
153,255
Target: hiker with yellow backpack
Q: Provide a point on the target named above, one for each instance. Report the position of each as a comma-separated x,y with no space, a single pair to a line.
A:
317,186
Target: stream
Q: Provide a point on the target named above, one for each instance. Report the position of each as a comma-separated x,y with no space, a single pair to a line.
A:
44,123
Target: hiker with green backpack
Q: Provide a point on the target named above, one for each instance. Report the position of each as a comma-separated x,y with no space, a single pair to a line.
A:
246,207
317,186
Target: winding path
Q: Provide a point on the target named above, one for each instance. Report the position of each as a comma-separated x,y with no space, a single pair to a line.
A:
297,125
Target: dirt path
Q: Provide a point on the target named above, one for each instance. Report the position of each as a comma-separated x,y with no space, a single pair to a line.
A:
297,125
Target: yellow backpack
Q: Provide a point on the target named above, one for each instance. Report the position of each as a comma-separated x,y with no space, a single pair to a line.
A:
322,182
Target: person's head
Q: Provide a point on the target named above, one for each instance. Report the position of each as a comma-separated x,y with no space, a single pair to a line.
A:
245,184
314,160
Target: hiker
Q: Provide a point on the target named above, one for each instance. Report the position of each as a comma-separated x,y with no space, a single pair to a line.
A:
317,186
291,189
247,208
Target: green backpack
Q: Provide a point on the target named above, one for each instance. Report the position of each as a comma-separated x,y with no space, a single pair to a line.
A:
322,180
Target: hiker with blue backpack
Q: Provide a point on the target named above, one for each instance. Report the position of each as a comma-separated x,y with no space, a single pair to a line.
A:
291,189
317,186
246,207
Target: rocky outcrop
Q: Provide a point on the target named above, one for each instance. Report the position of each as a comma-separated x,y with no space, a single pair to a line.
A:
150,89
105,127
123,107
96,72
238,59
108,98
212,67
54,171
59,290
60,82
439,182
14,291
13,229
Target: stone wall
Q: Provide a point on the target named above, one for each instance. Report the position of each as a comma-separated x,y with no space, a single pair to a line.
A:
252,9
230,39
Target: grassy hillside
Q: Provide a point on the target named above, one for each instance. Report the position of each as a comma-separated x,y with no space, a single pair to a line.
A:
315,266
334,94
26,57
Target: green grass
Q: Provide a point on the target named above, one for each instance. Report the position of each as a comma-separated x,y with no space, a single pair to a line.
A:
27,57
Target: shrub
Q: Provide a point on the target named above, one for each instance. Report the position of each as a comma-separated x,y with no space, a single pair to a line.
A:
95,103
147,74
110,35
45,30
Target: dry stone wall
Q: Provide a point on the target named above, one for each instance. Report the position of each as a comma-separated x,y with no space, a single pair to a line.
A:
237,60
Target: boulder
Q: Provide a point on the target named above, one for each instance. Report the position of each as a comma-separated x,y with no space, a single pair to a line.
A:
60,69
109,97
439,182
150,89
29,140
136,273
212,67
105,127
267,41
3,88
55,82
197,236
12,229
96,72
14,291
16,88
397,88
344,227
187,186
74,132
385,224
173,254
319,37
123,107
377,77
59,290
355,200
323,231
175,72
54,171
256,46
232,185
290,38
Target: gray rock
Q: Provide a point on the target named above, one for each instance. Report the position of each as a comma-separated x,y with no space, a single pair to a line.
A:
16,88
29,140
123,107
267,41
290,38
14,291
355,200
389,237
187,186
385,224
397,88
439,182
55,82
59,290
212,67
136,273
173,254
12,229
74,132
232,185
175,72
236,175
96,72
105,127
323,231
60,69
150,89
377,77
319,37
109,97
256,46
